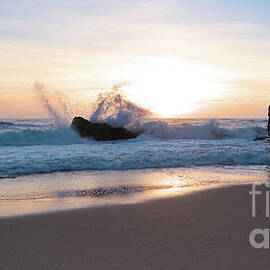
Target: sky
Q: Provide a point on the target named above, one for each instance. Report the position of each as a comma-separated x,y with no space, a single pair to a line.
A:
177,57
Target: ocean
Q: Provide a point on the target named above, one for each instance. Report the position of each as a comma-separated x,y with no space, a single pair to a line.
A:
31,146
44,159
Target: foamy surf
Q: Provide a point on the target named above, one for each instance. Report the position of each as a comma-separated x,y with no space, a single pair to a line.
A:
29,146
148,152
17,134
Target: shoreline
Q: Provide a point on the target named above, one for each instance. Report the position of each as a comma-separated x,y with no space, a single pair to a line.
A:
206,229
141,197
65,191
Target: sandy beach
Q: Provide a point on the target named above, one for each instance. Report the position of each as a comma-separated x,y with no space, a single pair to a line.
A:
133,133
207,229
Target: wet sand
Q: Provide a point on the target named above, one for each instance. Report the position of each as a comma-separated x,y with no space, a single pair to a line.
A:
207,229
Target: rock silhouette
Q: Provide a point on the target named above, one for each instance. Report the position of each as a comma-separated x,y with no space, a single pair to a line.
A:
100,131
263,138
268,129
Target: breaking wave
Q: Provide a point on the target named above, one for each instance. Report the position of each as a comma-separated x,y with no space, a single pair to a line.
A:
212,130
114,109
6,124
58,106
135,154
27,137
53,146
61,135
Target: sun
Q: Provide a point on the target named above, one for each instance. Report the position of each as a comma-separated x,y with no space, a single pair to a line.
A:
173,88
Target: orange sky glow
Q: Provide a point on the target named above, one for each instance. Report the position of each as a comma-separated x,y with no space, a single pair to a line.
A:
173,62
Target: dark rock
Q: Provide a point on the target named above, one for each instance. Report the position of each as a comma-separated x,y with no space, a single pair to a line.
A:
268,128
263,138
101,132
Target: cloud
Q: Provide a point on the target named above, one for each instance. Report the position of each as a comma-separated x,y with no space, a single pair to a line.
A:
89,44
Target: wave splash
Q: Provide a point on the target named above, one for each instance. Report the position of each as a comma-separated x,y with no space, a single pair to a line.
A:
112,108
63,135
211,130
58,107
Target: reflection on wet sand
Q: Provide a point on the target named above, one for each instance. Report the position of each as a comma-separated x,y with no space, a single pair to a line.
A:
60,191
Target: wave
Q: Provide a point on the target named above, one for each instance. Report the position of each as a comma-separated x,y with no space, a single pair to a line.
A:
113,108
208,131
6,123
64,135
27,137
134,154
57,105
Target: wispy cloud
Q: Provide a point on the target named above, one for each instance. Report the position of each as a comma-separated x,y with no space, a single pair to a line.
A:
86,45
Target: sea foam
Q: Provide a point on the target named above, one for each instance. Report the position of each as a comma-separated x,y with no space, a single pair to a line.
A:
44,146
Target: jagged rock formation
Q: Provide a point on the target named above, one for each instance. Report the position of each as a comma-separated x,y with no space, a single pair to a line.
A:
100,132
268,129
263,138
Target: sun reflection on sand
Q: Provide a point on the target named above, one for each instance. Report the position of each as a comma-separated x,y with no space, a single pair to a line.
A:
63,191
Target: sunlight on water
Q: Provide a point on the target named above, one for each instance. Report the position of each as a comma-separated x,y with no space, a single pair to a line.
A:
45,165
59,191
